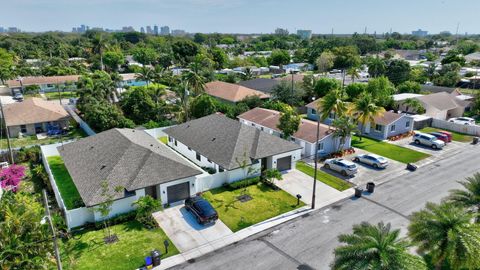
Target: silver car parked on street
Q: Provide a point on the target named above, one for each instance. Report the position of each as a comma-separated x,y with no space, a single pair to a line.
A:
373,160
343,166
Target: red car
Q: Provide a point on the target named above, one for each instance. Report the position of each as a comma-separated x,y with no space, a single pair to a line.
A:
440,136
449,135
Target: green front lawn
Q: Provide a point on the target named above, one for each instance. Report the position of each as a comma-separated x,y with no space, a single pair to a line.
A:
88,251
323,177
64,182
266,203
388,150
56,95
32,140
459,137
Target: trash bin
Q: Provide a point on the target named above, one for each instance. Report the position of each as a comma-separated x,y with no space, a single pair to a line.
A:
411,167
156,257
148,262
370,187
358,192
475,140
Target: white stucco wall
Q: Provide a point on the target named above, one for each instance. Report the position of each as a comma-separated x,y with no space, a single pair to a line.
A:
272,161
191,154
121,206
163,195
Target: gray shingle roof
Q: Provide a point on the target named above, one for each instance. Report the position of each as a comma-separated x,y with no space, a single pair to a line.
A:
261,84
226,141
124,157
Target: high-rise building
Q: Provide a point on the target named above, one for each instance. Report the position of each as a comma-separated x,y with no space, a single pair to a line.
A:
420,33
81,29
142,30
165,30
281,31
155,30
2,30
128,29
149,29
178,32
304,34
13,30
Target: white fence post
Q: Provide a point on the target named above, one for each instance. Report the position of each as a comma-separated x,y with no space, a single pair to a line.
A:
473,130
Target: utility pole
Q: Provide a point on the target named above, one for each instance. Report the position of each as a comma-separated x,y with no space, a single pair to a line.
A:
12,161
49,217
316,162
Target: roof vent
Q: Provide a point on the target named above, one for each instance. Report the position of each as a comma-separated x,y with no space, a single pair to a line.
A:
103,167
213,139
91,147
151,145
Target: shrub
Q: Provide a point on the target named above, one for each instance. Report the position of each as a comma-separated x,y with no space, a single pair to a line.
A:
244,183
28,154
146,205
39,172
209,170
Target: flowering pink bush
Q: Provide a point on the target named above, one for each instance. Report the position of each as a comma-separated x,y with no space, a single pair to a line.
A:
10,177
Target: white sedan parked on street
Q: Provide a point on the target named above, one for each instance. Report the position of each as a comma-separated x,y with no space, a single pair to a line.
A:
373,160
343,166
462,121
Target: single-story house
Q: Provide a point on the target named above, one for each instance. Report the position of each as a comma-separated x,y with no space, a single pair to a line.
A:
264,85
306,135
130,79
131,161
34,115
312,112
228,147
46,83
436,89
230,92
472,57
387,125
441,105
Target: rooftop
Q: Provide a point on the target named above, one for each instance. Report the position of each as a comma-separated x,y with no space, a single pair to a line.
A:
226,141
33,110
403,96
261,84
231,92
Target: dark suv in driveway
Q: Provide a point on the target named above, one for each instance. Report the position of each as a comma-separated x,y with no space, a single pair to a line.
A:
201,209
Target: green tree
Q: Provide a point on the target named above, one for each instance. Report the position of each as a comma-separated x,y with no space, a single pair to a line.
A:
288,123
202,105
346,57
24,240
333,102
470,196
446,233
279,57
365,110
6,65
344,127
375,247
325,61
353,73
453,56
98,87
283,92
142,104
144,207
325,85
353,90
381,90
194,82
145,55
409,87
99,45
102,116
219,57
184,50
398,71
419,75
376,67
105,208
413,105
113,59
271,175
308,85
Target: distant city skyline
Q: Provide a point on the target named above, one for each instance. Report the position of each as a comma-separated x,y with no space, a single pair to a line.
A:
245,16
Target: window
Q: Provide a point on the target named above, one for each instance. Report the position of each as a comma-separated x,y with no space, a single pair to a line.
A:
190,149
255,161
378,127
392,128
407,124
314,111
209,160
331,115
292,139
175,142
23,128
199,158
261,128
169,139
253,124
127,193
220,169
320,146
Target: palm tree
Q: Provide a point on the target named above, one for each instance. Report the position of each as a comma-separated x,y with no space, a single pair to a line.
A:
375,247
365,110
470,197
194,82
99,46
146,74
344,127
332,102
183,101
414,105
446,233
353,73
376,66
431,70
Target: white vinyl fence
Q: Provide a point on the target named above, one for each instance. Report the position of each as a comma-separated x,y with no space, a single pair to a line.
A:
473,130
80,121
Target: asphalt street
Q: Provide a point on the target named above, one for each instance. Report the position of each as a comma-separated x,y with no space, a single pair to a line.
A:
308,242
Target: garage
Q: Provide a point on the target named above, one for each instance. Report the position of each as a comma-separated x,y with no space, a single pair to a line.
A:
284,163
178,192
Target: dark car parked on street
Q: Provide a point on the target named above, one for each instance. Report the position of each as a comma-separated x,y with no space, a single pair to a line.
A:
201,209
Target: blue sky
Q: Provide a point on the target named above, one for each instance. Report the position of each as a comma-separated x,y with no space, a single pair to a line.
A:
246,16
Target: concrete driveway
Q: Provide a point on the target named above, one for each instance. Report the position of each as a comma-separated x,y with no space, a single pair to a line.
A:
295,182
184,231
449,148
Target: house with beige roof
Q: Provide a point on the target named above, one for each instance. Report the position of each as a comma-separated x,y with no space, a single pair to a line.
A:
34,115
441,105
46,83
387,125
230,92
306,136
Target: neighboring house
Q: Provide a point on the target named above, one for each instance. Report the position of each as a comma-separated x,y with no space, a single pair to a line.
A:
437,89
34,115
387,125
313,113
130,79
230,92
472,57
441,105
264,85
306,136
288,78
129,159
223,144
46,83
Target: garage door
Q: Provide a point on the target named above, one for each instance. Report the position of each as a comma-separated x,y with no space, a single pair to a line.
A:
178,192
284,163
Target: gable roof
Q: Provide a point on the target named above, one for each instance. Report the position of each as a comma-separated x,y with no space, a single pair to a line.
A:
33,110
387,118
124,157
437,89
231,92
307,130
226,141
441,101
36,80
261,84
314,104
